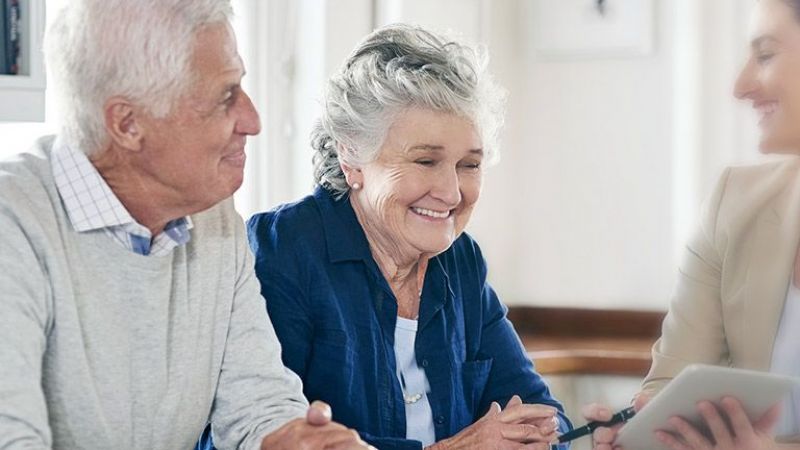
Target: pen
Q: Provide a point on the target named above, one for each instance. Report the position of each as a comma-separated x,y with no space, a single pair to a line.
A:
620,417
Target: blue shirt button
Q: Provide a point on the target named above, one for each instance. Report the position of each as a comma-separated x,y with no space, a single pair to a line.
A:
424,363
439,420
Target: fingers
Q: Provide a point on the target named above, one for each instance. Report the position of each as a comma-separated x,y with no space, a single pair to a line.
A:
689,434
494,410
526,413
596,411
670,441
767,422
547,422
739,421
319,413
719,429
344,440
641,399
526,433
515,400
604,436
300,434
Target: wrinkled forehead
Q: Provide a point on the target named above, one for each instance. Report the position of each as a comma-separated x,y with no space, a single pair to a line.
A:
214,54
214,45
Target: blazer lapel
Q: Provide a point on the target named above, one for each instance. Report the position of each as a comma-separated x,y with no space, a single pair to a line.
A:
769,274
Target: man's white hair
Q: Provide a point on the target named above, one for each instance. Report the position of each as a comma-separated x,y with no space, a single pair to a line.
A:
138,49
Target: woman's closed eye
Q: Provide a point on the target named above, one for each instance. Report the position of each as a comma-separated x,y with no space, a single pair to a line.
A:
764,57
471,165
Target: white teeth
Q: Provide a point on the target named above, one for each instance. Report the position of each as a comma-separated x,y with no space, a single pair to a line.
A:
431,213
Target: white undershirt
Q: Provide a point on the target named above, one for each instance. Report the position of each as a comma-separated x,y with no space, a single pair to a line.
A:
786,359
419,418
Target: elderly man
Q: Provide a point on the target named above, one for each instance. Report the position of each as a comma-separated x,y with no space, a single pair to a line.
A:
130,316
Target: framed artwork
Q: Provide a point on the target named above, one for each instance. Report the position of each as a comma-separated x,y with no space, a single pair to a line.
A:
575,29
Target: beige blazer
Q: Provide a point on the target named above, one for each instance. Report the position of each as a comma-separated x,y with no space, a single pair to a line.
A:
734,276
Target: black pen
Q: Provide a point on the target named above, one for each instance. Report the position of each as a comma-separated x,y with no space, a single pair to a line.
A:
620,417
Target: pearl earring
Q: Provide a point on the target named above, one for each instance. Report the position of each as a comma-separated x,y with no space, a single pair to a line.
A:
356,186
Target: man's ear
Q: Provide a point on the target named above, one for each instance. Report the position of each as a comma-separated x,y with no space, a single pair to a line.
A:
122,123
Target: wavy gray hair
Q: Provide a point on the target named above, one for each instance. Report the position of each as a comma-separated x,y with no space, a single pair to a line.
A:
139,49
395,68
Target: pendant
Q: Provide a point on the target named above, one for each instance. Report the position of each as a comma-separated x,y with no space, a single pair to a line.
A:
411,399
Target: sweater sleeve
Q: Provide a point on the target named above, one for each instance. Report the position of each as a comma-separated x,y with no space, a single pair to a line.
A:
256,394
24,323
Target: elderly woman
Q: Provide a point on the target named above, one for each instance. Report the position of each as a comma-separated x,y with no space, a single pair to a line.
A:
737,301
379,298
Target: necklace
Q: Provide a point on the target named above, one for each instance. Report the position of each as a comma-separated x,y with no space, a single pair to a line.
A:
408,399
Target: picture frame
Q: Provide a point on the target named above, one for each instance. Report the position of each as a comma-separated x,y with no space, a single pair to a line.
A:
581,29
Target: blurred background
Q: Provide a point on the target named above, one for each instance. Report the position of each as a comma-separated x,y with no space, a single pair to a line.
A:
620,117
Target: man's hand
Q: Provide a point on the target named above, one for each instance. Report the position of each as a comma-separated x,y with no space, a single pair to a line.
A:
316,432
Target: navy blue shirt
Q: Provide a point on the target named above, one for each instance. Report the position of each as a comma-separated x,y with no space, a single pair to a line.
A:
334,314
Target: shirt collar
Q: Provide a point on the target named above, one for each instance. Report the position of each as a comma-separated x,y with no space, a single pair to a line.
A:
89,200
344,235
346,241
436,291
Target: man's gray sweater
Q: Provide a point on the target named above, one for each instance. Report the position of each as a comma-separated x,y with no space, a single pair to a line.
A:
103,348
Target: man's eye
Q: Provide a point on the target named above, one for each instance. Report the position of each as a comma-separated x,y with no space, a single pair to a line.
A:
425,162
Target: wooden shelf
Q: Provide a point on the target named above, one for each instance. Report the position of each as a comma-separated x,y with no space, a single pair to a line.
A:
576,341
22,96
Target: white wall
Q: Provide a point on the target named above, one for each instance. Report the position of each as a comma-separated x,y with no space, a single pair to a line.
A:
605,161
578,211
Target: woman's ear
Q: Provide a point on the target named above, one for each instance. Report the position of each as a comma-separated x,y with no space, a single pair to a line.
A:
354,176
121,120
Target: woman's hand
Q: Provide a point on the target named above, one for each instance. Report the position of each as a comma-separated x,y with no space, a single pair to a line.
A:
541,422
519,426
741,435
603,438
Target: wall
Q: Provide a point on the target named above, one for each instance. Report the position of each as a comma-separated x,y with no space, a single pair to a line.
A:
581,200
605,161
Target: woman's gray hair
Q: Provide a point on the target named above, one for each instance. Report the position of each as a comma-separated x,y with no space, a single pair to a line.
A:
395,68
138,49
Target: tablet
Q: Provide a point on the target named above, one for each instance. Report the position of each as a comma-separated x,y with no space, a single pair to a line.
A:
757,391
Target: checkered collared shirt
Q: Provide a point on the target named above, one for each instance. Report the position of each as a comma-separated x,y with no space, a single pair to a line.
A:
92,205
